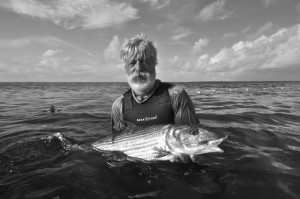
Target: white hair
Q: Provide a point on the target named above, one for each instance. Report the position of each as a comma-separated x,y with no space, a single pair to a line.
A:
139,47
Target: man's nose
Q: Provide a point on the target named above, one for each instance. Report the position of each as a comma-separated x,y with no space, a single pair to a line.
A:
139,65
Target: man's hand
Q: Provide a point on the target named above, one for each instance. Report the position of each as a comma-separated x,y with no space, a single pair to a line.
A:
183,158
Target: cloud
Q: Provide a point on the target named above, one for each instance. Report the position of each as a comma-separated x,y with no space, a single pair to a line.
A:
235,34
214,11
112,52
230,35
266,29
269,2
30,40
157,4
58,61
87,14
180,33
51,52
50,60
268,54
45,40
51,64
14,43
198,46
279,50
179,36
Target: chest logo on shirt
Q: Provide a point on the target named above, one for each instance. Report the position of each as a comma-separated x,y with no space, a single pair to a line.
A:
146,119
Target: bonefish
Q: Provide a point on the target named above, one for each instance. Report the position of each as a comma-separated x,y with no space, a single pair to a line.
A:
161,142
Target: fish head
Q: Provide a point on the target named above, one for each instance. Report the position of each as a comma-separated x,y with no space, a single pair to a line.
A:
184,139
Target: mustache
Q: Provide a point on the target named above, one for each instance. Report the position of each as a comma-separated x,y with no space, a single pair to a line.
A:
140,76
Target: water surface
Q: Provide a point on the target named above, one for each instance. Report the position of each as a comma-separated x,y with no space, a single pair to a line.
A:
261,158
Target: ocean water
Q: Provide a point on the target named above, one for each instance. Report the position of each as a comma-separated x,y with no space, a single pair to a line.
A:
261,156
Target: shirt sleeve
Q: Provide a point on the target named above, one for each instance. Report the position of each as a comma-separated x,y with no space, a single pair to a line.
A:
117,119
184,110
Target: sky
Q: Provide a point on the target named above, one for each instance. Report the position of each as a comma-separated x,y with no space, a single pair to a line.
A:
197,40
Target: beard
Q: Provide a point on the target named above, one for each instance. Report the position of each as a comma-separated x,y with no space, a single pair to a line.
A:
141,82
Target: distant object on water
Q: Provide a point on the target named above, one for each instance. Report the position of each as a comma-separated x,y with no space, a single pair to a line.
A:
52,109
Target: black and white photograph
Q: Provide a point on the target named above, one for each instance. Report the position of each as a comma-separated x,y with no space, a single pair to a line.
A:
140,99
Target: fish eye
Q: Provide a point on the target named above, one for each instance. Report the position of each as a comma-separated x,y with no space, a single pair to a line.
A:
194,132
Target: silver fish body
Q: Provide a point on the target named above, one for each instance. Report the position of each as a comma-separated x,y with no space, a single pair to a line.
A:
161,142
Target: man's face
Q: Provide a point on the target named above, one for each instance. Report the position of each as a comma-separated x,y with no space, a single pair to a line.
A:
141,75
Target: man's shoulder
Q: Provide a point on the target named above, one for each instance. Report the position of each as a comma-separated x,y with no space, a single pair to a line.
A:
175,90
118,102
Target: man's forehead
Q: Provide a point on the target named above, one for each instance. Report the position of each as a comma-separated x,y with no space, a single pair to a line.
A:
137,57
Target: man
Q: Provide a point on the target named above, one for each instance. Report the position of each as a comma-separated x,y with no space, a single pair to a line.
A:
149,101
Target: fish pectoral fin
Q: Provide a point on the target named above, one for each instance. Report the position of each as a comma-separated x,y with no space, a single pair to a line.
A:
161,153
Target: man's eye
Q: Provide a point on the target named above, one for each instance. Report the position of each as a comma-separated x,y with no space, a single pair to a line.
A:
144,61
132,63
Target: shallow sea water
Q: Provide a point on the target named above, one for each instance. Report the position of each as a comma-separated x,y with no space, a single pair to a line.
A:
261,156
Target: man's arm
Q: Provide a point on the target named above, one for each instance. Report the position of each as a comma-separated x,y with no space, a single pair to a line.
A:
184,113
117,120
184,110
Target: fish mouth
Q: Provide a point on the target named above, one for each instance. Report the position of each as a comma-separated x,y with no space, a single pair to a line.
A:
212,146
217,142
208,147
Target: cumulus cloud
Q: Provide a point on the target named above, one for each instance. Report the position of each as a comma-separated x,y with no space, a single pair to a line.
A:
175,61
214,11
87,14
51,64
51,52
112,52
50,60
199,45
278,50
59,60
